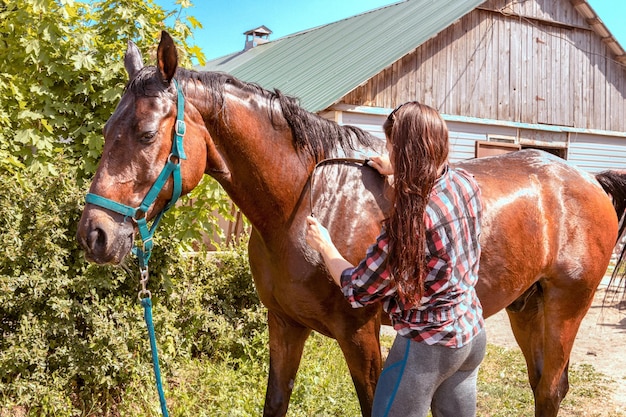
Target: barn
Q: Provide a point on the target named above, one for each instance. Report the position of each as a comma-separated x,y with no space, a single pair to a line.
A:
505,74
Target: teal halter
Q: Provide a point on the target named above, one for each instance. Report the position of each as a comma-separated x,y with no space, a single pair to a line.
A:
138,214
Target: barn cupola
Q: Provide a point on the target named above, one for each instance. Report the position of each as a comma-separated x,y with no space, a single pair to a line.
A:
256,37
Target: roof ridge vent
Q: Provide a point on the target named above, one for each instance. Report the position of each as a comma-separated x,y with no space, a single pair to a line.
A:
257,36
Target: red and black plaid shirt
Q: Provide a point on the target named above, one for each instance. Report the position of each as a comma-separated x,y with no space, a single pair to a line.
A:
450,313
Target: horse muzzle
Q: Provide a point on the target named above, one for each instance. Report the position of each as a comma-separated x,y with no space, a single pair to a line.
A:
104,239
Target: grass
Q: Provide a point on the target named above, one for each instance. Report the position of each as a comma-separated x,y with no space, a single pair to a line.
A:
504,391
236,387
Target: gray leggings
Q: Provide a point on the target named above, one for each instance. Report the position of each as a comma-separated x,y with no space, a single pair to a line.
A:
418,377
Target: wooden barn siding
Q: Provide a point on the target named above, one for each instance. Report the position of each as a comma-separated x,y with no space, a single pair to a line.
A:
463,136
506,64
596,153
589,151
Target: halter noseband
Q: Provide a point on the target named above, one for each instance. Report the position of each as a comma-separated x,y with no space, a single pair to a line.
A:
139,214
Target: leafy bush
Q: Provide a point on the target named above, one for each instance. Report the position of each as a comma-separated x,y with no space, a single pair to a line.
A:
73,334
216,307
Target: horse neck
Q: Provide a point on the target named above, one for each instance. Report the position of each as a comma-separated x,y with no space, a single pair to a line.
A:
261,171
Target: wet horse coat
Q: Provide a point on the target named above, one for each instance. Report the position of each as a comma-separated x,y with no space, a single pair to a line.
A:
548,231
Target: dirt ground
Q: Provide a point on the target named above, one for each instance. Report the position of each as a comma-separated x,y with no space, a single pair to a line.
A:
601,341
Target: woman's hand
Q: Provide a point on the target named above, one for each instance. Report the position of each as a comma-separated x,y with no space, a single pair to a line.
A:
382,164
317,236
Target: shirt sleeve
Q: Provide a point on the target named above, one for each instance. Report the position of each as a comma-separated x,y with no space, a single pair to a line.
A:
369,281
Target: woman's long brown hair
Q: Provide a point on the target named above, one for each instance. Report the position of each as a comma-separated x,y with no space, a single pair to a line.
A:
419,146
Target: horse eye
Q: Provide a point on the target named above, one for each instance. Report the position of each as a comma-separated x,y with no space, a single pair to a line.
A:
147,137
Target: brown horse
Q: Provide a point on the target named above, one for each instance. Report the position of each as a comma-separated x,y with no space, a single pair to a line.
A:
548,232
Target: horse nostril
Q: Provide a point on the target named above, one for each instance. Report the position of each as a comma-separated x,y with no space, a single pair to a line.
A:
96,239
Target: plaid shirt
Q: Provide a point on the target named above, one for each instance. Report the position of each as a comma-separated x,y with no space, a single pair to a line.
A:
450,313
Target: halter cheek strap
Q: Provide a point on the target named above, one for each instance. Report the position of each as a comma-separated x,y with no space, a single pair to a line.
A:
172,167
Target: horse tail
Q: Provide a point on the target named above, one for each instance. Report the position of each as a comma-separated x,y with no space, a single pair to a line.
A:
614,184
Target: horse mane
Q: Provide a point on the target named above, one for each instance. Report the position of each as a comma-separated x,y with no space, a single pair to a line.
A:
319,137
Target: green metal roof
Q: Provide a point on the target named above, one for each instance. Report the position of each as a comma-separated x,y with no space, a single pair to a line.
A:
323,64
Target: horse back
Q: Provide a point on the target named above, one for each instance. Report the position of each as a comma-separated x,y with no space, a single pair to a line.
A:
350,199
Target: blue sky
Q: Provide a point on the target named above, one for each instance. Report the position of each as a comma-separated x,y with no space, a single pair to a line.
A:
224,22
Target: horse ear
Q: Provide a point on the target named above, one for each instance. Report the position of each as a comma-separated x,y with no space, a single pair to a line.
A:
167,58
132,60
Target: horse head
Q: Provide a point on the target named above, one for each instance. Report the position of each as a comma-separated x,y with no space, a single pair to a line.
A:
138,144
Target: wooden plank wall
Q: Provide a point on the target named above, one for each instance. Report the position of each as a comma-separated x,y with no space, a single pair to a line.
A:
535,61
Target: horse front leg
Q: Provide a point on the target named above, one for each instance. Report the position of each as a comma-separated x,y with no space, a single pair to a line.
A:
361,349
286,345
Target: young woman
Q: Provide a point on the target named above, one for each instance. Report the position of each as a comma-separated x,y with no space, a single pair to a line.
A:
423,267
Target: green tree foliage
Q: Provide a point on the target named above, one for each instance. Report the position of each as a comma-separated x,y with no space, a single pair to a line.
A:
62,72
61,76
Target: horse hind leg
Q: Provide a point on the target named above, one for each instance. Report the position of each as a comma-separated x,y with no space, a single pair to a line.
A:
287,341
526,315
545,321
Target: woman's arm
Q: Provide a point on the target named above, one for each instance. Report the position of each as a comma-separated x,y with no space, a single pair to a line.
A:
369,281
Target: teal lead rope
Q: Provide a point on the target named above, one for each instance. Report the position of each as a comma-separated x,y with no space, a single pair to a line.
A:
147,315
146,301
138,214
